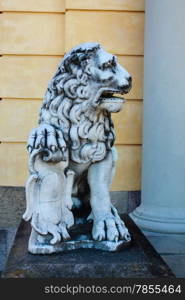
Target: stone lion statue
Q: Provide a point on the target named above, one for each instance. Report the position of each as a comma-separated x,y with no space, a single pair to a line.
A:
72,158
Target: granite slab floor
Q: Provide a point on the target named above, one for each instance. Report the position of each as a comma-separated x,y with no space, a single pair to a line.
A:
6,240
172,249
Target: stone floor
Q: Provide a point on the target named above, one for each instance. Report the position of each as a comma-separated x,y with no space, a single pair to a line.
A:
6,239
172,250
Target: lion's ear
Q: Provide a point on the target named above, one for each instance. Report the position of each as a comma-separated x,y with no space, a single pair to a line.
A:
75,61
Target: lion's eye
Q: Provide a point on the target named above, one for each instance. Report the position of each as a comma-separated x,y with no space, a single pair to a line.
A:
108,65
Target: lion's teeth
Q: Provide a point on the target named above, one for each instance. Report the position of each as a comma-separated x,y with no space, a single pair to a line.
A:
111,99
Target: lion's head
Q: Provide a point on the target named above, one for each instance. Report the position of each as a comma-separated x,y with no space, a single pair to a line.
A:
80,98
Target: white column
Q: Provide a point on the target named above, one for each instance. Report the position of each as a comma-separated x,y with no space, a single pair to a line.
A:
162,206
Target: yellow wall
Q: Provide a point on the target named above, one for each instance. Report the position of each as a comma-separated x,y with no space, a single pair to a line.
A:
35,36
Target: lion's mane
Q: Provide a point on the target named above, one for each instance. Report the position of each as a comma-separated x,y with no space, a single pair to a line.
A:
88,132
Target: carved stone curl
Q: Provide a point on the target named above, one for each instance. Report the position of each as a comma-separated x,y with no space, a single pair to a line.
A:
72,158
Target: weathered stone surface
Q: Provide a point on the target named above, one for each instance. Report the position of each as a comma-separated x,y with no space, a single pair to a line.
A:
72,160
139,260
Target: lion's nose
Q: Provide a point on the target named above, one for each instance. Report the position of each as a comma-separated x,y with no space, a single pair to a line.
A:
129,83
129,79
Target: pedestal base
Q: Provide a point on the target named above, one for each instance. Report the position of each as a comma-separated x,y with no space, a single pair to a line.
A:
139,260
158,224
81,238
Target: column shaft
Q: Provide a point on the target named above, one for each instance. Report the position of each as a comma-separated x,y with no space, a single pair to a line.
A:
162,207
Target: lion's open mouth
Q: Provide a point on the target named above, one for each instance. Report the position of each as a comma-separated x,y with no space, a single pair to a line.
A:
111,96
111,101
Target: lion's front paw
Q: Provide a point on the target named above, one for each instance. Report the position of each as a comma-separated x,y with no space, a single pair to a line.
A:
47,138
110,227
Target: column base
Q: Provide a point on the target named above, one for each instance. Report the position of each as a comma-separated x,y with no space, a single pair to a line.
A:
156,224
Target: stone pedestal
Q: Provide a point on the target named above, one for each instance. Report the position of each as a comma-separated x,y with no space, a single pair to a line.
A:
162,206
139,260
